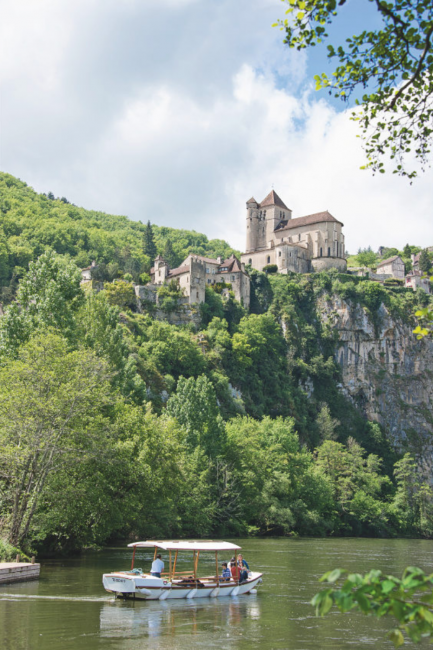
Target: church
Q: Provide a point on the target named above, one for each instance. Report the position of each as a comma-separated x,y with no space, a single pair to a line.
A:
304,244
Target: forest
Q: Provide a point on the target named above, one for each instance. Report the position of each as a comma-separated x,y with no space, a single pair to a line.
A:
115,425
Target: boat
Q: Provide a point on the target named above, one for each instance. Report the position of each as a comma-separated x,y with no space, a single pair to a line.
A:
137,584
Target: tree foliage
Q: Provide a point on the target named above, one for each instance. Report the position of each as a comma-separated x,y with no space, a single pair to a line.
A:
409,599
392,65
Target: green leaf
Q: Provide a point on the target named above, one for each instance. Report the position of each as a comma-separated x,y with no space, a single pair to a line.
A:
396,637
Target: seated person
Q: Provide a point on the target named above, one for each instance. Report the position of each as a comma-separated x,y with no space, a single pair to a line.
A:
235,571
243,562
157,567
226,575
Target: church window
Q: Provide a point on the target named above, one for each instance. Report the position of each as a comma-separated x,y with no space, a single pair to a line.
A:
269,259
264,214
329,251
321,252
197,294
279,253
336,248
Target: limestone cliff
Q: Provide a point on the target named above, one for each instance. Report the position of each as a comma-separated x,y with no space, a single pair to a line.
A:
386,372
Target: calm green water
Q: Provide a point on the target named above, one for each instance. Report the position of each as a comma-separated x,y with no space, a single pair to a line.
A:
67,609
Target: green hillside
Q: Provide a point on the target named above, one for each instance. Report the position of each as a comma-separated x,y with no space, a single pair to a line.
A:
149,429
31,222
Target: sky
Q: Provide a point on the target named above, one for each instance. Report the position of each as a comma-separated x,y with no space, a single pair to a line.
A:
178,111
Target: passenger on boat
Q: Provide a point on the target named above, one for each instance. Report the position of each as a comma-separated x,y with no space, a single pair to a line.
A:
244,568
157,567
235,571
242,561
226,575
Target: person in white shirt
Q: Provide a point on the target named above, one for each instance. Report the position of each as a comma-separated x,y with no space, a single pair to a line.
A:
157,567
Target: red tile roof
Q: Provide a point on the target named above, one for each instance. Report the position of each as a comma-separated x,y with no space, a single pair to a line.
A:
273,199
309,219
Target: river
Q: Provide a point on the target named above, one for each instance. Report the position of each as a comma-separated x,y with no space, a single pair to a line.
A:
67,608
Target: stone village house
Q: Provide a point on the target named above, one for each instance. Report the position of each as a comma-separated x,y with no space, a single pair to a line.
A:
197,272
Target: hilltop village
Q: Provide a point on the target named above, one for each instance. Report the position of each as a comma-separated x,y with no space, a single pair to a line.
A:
273,238
276,242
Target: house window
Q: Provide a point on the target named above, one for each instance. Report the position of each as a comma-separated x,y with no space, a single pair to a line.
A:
209,281
279,253
299,237
232,278
197,294
197,280
269,259
159,274
329,252
250,261
321,252
207,270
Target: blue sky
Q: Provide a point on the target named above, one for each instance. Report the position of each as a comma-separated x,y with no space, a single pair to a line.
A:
178,111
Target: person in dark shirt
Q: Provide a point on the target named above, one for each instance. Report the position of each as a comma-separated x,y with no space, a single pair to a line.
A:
226,574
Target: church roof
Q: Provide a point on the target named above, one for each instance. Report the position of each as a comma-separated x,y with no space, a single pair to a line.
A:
252,200
273,199
308,220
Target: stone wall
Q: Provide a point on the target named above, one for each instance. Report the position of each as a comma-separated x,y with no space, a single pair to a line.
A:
387,373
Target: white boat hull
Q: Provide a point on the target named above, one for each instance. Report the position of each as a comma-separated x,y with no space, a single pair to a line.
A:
147,587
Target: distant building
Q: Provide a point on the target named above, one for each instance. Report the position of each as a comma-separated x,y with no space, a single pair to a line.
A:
393,266
86,274
414,280
314,242
197,272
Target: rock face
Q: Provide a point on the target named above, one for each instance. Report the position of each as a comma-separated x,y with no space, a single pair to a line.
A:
386,372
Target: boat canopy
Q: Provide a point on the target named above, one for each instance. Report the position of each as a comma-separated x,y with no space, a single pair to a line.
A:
184,545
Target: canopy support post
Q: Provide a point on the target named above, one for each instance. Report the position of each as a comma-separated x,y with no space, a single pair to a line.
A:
217,571
195,570
133,558
169,570
174,565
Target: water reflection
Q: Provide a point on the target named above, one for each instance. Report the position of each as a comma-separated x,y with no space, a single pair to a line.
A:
155,619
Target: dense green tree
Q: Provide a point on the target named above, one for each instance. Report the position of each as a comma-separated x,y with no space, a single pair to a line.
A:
49,295
327,424
424,261
169,255
366,257
121,294
195,407
149,245
407,251
392,65
51,414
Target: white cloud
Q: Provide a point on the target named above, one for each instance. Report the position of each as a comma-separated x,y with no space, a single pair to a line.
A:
178,114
